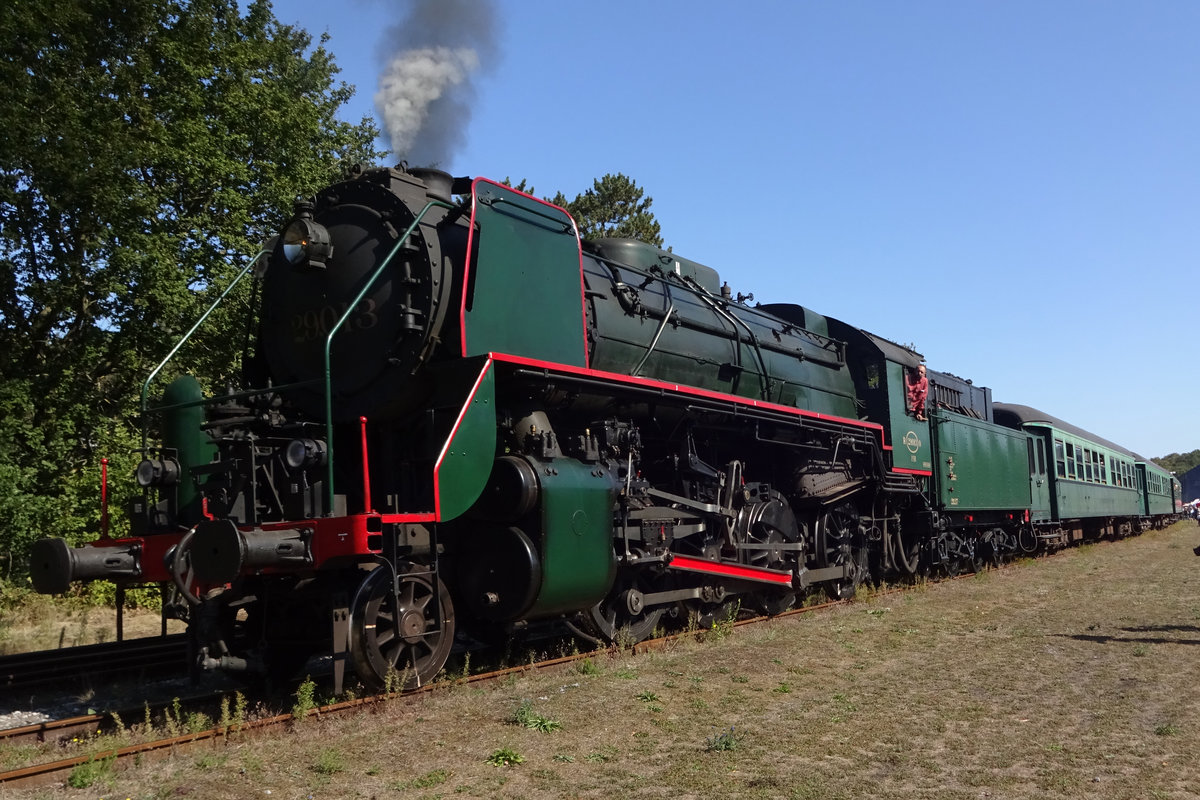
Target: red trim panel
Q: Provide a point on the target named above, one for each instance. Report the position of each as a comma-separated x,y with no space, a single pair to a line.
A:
731,570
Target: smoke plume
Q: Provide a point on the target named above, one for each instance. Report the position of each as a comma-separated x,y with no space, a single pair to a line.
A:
425,91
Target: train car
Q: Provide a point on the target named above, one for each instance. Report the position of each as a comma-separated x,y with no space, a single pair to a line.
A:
1095,487
458,417
460,422
981,486
1158,492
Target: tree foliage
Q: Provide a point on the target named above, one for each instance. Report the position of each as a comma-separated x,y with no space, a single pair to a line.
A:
1179,463
149,146
614,206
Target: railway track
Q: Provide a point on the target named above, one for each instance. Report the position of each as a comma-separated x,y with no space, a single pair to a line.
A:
59,770
134,658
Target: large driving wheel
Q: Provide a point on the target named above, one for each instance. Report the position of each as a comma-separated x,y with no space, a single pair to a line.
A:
771,530
407,634
842,544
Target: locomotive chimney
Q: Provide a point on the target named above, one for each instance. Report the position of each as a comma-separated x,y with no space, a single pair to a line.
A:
438,184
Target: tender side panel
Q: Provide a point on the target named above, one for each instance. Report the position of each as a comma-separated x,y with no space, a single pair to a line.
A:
981,465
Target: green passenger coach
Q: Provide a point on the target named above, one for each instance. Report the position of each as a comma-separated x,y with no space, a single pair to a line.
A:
1094,487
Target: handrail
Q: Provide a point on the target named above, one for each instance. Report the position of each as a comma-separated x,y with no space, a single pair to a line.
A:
329,494
188,335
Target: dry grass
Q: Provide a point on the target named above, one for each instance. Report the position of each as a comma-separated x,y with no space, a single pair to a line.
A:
37,622
1067,677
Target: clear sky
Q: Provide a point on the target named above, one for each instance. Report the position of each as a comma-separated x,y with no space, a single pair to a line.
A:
1012,187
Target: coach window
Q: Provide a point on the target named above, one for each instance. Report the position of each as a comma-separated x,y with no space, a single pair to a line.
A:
1041,447
1087,465
1103,469
1060,460
1071,462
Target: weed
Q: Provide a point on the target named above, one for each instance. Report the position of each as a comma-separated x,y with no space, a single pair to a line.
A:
587,667
564,758
197,721
1141,650
726,740
783,688
740,679
505,757
648,696
329,762
426,781
723,627
526,717
91,772
171,717
627,673
305,698
843,708
394,681
602,756
233,719
1166,730
210,760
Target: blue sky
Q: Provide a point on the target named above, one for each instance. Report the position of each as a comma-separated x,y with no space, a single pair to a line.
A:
1012,187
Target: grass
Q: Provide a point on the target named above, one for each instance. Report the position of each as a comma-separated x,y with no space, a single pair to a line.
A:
30,621
1066,677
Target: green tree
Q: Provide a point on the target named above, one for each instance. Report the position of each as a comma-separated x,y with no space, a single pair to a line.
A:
148,147
614,206
1179,463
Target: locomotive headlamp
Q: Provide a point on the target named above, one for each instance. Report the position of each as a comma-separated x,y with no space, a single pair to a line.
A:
155,472
306,242
305,453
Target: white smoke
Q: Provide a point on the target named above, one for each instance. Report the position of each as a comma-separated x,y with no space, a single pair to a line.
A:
425,90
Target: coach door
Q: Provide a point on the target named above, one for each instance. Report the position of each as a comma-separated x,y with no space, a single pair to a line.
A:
1039,479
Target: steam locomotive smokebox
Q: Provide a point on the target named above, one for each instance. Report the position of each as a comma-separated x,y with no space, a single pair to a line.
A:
382,339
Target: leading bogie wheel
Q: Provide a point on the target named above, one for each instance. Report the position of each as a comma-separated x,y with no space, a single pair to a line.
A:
400,639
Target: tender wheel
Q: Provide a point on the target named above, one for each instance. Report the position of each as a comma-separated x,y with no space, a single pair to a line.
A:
404,639
622,616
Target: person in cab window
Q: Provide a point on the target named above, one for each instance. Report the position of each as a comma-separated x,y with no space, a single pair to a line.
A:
917,390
